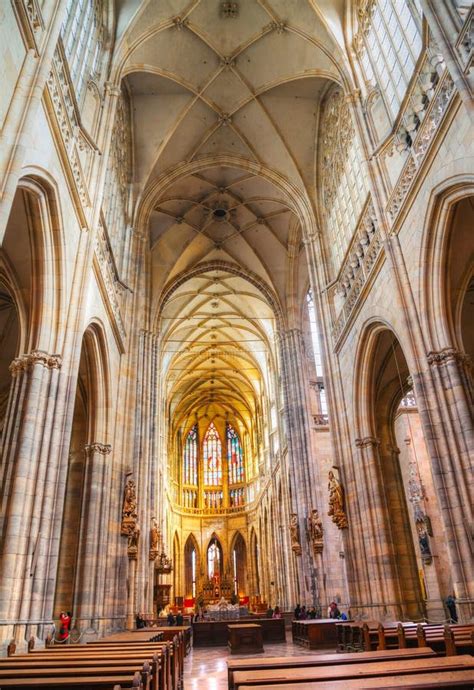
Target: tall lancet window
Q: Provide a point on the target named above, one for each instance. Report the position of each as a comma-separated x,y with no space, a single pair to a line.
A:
212,457
317,354
190,457
234,456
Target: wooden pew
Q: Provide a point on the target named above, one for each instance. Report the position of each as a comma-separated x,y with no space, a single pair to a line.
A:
92,682
445,639
388,634
394,668
461,680
314,660
84,656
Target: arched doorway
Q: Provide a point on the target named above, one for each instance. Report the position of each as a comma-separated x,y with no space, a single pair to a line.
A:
238,555
398,546
191,568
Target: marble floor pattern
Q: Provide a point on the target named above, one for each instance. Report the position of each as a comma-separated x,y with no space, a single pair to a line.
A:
206,667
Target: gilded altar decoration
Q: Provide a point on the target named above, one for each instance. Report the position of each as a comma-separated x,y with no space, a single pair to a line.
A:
336,501
129,510
133,537
154,540
295,534
315,528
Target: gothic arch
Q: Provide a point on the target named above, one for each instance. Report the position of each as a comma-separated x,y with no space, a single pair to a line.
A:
47,261
393,570
190,545
449,208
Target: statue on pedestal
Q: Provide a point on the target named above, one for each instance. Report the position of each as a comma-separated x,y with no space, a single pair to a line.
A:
295,534
133,537
336,501
154,540
129,509
315,527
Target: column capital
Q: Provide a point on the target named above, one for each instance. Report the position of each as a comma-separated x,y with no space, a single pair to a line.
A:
447,355
112,89
366,442
26,361
102,448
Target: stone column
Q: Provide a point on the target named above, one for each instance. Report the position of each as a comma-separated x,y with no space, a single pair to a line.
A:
370,571
145,452
92,561
27,463
295,385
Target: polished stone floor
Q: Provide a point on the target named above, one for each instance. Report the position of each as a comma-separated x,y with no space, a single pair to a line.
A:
206,668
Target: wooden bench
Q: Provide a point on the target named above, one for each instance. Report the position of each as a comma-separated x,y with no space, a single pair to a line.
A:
378,669
92,682
315,634
176,653
446,639
462,680
322,660
112,661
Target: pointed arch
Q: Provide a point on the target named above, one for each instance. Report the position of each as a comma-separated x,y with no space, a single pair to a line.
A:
192,567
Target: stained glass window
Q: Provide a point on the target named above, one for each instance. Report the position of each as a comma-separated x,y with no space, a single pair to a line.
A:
234,457
212,457
190,457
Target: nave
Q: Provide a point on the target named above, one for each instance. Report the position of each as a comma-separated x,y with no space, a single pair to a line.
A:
236,331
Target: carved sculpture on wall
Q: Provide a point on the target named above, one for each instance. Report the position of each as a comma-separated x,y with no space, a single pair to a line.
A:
295,534
315,528
129,509
336,501
133,537
154,539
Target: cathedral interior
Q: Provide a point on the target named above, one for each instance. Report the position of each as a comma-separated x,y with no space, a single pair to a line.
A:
236,309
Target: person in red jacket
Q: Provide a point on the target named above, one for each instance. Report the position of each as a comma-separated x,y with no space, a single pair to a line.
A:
65,622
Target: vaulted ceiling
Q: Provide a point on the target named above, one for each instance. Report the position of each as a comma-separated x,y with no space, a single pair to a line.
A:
225,100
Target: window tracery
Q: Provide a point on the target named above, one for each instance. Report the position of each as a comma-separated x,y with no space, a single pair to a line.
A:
234,456
116,188
83,38
190,457
343,177
388,43
212,457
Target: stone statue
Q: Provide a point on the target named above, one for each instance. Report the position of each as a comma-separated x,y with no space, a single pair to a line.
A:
315,527
423,539
129,509
336,501
133,537
154,535
154,539
295,534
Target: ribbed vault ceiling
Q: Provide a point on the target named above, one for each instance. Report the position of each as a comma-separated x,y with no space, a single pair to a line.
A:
241,95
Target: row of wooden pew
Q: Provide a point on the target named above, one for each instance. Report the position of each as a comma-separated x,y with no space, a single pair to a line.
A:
119,662
373,635
417,668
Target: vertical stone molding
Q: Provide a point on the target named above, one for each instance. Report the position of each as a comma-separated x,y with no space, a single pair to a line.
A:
300,463
92,559
30,467
145,449
372,576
